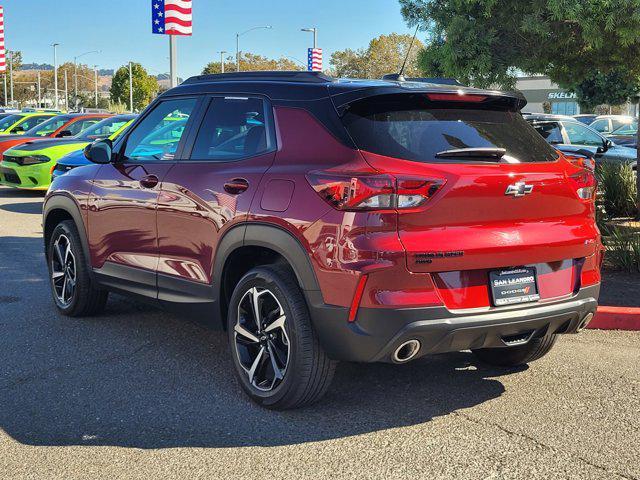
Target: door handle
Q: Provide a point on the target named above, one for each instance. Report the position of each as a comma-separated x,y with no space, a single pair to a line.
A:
236,186
149,181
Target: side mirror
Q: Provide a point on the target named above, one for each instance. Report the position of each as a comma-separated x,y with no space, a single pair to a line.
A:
19,130
606,145
99,151
64,133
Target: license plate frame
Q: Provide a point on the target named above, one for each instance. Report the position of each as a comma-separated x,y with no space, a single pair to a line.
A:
514,286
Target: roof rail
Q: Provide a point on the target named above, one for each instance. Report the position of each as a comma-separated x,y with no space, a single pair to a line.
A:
272,76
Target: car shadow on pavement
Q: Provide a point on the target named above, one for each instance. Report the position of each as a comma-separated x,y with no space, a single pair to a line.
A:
34,208
139,377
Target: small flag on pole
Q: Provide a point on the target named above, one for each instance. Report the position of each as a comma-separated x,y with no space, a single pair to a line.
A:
3,51
171,17
315,60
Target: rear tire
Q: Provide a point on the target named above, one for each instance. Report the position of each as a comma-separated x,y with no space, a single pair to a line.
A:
74,294
514,356
279,364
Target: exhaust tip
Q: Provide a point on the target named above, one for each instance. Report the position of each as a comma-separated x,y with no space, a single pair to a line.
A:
406,351
585,321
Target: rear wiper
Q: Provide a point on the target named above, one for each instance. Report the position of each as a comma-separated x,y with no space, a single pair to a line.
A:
491,153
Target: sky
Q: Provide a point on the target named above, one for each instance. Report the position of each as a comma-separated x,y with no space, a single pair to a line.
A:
121,30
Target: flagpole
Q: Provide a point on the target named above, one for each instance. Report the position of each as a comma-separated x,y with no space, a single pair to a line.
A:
173,60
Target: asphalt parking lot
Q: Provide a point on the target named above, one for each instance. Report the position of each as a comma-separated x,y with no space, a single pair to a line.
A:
142,393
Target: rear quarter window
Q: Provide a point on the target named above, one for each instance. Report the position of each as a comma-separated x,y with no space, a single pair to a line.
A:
413,128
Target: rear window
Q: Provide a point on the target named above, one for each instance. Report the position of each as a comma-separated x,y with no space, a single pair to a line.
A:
413,128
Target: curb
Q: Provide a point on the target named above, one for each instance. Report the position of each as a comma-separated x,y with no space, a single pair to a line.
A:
616,318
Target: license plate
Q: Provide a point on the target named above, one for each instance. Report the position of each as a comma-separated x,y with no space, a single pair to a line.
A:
516,285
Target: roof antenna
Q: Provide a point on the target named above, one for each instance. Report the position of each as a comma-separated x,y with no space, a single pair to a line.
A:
400,77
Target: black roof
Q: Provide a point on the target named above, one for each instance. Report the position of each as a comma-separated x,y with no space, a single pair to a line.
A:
277,85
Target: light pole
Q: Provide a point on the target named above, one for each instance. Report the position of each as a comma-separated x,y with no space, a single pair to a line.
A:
11,75
55,74
66,91
95,77
130,87
314,30
238,35
39,91
75,72
222,52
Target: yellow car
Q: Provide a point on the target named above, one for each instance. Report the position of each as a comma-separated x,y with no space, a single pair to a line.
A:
18,123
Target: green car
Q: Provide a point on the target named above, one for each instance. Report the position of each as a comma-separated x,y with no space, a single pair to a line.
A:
18,123
29,165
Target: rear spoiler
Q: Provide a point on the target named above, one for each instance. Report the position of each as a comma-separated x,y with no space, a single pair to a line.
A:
513,101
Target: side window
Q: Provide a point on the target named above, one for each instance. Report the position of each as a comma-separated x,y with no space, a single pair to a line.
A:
601,126
81,125
157,137
31,122
233,128
550,132
580,135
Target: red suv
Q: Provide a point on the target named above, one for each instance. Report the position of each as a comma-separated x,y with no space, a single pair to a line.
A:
319,220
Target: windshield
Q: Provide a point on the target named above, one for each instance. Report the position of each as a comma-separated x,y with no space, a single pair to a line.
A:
103,129
628,129
47,128
412,128
8,121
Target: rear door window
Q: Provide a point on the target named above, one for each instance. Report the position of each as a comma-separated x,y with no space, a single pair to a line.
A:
411,127
550,131
233,128
579,134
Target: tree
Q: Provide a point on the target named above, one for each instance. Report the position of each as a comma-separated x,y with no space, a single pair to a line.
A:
252,62
613,88
385,54
579,44
145,86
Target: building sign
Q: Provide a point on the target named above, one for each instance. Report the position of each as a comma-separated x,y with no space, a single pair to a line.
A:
562,96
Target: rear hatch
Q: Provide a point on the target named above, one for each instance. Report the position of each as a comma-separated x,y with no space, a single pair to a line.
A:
502,198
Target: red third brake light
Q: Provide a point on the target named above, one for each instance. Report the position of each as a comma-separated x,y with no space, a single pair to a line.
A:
456,97
360,192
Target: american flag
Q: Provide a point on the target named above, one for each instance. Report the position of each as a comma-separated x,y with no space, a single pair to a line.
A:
171,17
315,60
3,52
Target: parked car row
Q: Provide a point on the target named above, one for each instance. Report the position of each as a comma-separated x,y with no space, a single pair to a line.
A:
30,157
573,137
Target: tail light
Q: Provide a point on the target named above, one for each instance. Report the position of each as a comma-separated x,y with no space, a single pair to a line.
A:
587,163
585,185
362,192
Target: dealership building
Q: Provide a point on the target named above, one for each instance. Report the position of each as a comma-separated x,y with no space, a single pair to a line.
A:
540,89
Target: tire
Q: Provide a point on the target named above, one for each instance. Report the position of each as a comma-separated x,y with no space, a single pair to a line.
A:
306,371
85,298
521,355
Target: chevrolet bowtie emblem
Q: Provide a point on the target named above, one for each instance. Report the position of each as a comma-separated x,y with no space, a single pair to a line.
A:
519,189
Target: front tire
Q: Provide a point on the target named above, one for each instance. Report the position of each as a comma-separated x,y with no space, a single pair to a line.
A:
74,293
278,359
514,356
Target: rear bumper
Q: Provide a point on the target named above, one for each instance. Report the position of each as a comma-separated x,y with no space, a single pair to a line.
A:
378,332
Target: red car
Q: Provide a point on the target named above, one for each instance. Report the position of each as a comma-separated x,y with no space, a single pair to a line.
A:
67,125
319,220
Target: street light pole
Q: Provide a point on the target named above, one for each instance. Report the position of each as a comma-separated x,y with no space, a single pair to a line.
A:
39,91
66,91
95,76
75,72
222,60
238,43
315,35
55,74
11,75
130,87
